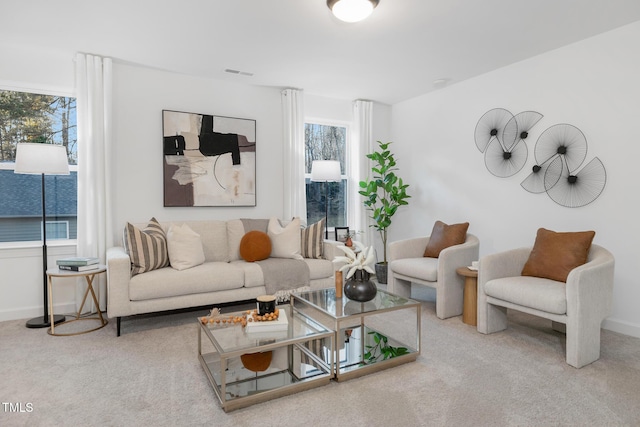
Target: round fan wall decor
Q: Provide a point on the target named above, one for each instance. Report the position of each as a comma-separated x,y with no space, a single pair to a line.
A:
559,152
501,137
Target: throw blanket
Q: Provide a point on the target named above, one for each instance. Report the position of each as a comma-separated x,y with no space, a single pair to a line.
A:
281,275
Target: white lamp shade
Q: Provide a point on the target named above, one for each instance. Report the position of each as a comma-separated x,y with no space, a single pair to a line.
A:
352,10
325,171
49,159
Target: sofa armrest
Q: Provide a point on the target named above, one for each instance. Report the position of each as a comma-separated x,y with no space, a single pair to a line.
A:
330,251
408,248
118,275
590,286
457,256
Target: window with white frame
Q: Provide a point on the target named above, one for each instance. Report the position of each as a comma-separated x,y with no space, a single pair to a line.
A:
326,141
40,118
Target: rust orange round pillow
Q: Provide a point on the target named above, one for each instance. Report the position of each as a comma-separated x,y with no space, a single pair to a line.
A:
255,246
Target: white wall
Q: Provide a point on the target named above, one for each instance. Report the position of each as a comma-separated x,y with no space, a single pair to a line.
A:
592,85
140,95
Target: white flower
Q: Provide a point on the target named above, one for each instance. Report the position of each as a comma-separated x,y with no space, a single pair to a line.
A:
360,261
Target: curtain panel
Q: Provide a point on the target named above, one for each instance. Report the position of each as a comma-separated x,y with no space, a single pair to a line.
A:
360,168
94,118
294,195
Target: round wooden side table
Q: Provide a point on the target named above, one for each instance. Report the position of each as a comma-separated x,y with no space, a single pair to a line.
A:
89,275
470,304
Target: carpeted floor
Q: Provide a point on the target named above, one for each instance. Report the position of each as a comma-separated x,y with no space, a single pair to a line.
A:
150,376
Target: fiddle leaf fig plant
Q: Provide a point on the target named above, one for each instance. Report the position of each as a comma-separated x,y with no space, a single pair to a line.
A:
384,192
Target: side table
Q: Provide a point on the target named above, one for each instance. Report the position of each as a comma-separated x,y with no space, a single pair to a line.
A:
89,275
470,304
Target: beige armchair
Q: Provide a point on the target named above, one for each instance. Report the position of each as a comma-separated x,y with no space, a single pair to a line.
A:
408,265
576,307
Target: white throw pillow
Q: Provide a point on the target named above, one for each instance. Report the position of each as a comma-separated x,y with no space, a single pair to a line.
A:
285,241
184,246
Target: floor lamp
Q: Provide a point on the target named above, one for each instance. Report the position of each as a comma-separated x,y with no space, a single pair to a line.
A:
325,171
42,159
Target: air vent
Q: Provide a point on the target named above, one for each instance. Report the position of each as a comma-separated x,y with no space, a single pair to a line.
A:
242,73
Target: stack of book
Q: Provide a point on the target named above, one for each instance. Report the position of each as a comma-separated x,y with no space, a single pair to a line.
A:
78,263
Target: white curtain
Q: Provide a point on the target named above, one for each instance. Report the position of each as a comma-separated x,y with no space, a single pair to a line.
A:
360,168
94,118
295,203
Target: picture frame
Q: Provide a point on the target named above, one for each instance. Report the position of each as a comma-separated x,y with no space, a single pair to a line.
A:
341,234
208,160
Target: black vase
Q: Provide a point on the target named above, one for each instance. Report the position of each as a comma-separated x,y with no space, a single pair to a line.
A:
360,288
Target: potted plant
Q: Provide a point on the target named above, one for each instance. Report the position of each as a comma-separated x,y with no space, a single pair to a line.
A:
358,287
384,193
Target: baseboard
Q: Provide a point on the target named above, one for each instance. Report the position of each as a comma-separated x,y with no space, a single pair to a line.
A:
622,327
31,312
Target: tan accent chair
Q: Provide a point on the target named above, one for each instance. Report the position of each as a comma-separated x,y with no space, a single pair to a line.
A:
576,307
408,265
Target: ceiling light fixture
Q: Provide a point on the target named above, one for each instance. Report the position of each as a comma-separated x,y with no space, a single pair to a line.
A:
352,10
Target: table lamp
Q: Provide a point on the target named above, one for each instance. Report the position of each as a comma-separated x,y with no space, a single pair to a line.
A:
42,159
325,171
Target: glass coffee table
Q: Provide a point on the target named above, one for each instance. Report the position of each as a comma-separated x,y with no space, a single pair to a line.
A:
245,368
370,336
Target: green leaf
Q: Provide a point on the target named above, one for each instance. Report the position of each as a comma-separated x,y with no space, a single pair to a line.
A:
385,192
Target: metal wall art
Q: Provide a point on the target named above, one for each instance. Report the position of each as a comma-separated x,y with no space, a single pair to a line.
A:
559,153
500,136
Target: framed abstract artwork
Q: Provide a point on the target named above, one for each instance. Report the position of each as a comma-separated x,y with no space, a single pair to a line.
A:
208,160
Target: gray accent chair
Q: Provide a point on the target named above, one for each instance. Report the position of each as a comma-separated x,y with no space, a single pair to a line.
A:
576,307
407,265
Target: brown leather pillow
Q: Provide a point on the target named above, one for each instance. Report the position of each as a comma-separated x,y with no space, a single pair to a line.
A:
443,236
554,255
255,246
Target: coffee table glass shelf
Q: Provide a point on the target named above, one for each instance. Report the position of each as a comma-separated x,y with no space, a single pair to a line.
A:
300,358
365,332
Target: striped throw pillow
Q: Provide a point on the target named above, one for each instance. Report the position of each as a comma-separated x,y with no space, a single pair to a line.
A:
147,248
312,240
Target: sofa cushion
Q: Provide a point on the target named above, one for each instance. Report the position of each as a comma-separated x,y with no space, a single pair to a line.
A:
253,276
147,248
255,246
237,228
554,255
214,239
235,232
285,240
312,240
542,294
425,268
168,282
443,236
184,247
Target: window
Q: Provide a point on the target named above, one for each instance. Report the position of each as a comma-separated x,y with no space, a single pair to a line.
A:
326,142
57,230
31,117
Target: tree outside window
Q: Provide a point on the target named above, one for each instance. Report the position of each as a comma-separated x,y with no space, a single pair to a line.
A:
36,118
326,142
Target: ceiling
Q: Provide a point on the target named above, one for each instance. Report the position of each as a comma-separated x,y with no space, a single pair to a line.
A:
396,54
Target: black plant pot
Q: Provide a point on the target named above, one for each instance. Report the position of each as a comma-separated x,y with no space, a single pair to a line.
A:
381,272
360,288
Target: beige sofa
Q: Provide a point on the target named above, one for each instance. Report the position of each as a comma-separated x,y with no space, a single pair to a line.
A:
223,277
